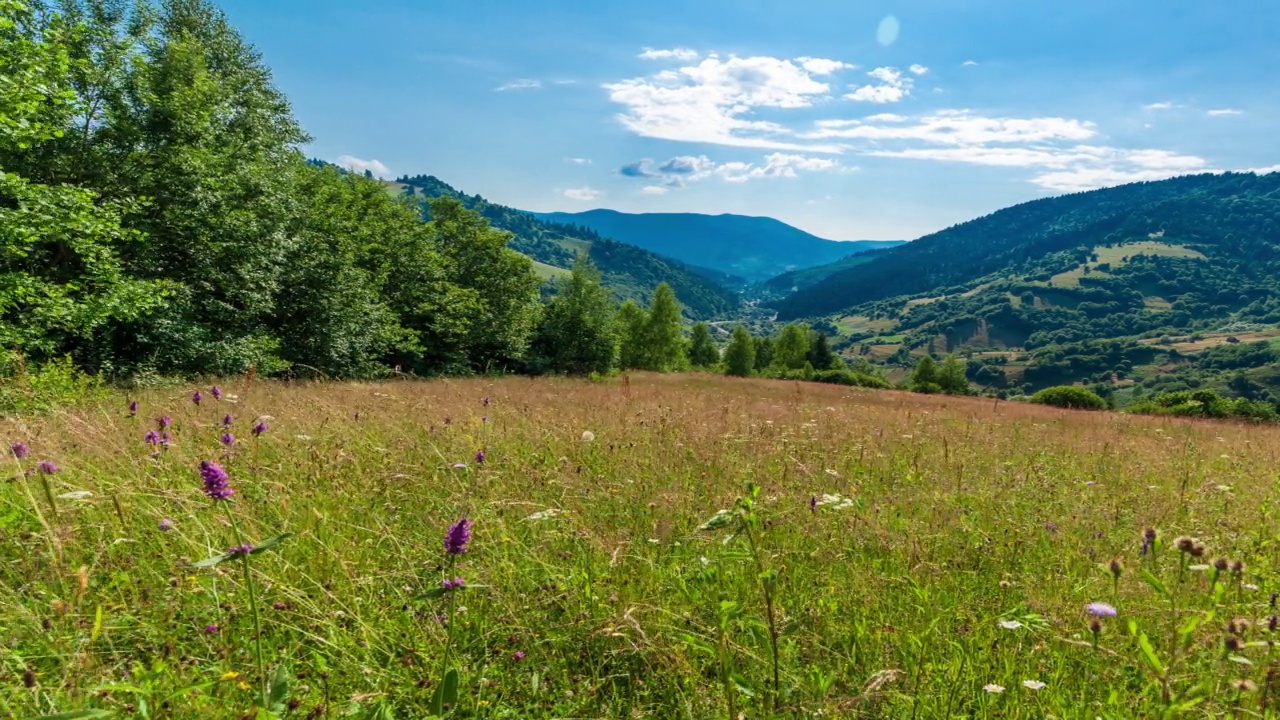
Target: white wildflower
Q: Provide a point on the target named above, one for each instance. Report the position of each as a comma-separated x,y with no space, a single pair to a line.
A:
1010,624
588,436
544,514
993,688
1033,684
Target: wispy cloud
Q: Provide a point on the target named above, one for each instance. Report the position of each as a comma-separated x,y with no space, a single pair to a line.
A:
678,171
892,86
584,194
522,84
681,54
969,63
654,190
578,160
1158,106
359,165
1263,170
1224,112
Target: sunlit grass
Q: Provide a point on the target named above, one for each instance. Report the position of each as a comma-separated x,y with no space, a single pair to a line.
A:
967,538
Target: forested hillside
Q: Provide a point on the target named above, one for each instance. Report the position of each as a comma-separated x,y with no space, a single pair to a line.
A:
629,271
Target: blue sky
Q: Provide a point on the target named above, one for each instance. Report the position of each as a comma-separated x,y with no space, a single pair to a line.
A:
848,119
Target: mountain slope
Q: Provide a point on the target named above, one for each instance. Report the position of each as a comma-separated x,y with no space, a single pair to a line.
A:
1233,219
789,282
630,272
756,248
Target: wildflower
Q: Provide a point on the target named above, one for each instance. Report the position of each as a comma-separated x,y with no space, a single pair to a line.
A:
1272,623
993,688
1033,684
216,392
1185,544
19,450
1221,564
228,439
1100,609
1010,624
1244,685
1050,527
244,549
259,428
544,514
1232,643
217,483
813,503
133,407
164,421
1198,550
196,397
480,456
280,605
517,655
46,467
1237,567
165,439
166,524
211,628
453,584
588,436
227,420
151,437
1116,569
1149,535
457,537
485,401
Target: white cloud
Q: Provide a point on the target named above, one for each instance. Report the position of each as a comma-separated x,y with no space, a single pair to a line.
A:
715,100
775,165
822,66
579,161
918,69
892,88
681,54
970,63
956,127
584,194
1158,106
677,172
1263,170
1225,111
886,117
359,166
653,190
522,84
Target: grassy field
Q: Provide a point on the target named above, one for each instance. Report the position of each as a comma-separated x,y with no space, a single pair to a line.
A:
883,555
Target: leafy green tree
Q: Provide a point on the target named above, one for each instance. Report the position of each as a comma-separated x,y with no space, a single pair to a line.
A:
703,352
820,354
662,335
951,377
764,353
740,355
578,332
791,348
925,376
632,351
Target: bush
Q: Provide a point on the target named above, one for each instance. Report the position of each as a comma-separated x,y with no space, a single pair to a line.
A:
44,387
1071,397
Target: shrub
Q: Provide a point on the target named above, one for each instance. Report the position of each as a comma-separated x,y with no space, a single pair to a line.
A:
1070,396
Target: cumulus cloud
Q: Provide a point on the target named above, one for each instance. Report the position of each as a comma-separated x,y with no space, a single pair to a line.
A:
679,171
918,69
681,54
1225,111
775,165
892,87
716,100
584,194
522,84
1263,170
358,165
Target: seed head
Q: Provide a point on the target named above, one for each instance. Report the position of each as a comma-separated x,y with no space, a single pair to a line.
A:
1095,626
1149,535
19,450
1116,569
1272,623
1232,643
1185,544
217,484
1221,564
1237,567
457,537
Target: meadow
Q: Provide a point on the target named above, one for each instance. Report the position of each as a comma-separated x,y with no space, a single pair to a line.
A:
653,546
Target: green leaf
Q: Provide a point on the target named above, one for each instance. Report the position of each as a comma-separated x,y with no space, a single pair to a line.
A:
1154,582
270,543
742,685
698,644
1240,659
721,519
215,560
446,694
278,689
78,715
1149,654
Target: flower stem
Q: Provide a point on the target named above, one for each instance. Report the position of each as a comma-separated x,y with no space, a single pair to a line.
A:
253,607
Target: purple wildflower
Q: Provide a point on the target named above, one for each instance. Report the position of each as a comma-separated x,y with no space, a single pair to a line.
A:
164,421
227,420
133,407
485,401
211,628
19,450
517,655
166,524
151,437
228,439
46,467
259,428
1100,609
216,392
217,484
196,397
480,456
165,438
813,503
457,537
280,605
244,549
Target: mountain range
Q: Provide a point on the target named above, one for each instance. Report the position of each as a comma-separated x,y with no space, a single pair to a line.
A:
755,248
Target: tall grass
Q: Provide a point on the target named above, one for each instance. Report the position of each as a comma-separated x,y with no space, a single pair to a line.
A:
908,556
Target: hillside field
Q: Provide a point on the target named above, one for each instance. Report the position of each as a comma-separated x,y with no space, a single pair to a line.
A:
904,556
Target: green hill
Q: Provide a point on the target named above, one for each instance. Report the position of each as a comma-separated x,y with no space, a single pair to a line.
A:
629,271
756,248
789,282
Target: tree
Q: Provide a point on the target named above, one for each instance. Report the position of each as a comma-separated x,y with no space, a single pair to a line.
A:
764,353
740,355
578,333
662,336
925,377
791,348
703,352
951,377
820,354
632,350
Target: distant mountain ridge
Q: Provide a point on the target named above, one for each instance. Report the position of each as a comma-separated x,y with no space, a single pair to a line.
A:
630,272
755,248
